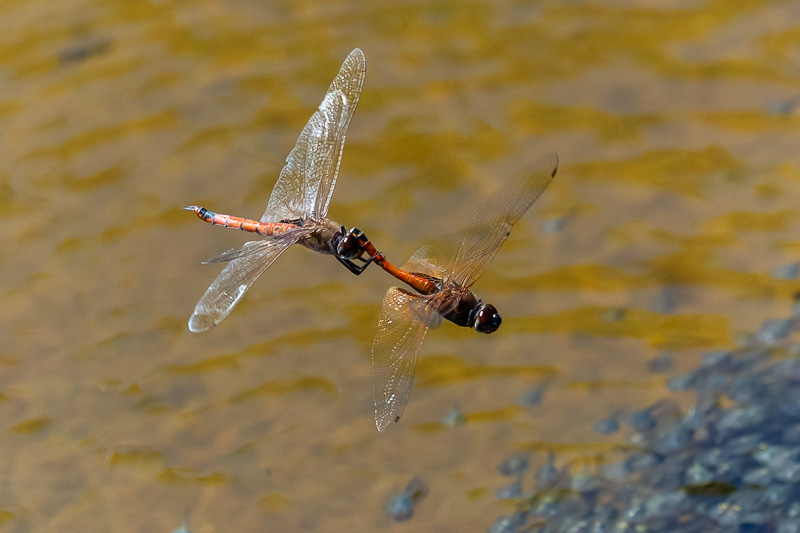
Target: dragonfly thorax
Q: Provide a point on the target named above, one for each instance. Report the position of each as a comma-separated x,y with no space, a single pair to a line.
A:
461,307
457,305
321,239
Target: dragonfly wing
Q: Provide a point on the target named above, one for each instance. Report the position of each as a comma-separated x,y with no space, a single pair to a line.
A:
286,200
404,321
492,224
238,275
291,236
321,160
348,82
436,257
296,195
464,254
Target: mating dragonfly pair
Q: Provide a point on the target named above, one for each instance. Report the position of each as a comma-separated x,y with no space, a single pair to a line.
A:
441,273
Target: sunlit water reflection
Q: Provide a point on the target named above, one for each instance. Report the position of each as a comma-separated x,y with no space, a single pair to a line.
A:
677,132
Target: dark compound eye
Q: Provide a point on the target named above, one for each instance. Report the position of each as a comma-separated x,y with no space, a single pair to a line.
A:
487,320
348,247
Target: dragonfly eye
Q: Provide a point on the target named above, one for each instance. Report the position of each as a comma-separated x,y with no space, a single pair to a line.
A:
348,247
487,320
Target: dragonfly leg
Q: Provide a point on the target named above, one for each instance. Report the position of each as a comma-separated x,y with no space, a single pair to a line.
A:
353,267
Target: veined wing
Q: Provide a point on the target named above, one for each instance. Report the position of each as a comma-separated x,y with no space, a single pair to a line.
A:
349,82
492,224
463,255
404,321
246,265
321,160
291,236
436,258
286,200
290,197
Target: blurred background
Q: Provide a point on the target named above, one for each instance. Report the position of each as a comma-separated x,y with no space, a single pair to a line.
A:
675,203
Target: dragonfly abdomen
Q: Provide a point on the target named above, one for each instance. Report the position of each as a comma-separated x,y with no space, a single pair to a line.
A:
244,224
421,283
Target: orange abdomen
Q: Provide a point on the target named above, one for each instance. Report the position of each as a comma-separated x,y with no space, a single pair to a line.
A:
244,224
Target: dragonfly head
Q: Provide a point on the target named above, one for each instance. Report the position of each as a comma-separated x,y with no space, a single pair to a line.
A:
487,319
347,245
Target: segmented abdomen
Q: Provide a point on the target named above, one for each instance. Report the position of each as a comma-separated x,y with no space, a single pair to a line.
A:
244,224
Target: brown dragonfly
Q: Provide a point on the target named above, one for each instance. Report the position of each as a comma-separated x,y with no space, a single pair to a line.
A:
443,272
297,209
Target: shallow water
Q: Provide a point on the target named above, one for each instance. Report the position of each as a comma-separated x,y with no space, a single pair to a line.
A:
677,134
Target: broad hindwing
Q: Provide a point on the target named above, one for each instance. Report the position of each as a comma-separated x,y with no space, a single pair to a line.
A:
291,236
404,321
246,265
492,223
436,257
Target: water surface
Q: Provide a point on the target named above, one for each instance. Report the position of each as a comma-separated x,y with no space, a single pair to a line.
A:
676,127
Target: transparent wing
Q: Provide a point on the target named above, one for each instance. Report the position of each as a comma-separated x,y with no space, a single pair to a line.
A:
286,200
404,321
291,236
290,199
321,165
246,265
436,257
349,82
463,255
492,223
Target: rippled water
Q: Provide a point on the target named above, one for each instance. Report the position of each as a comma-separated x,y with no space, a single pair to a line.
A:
677,133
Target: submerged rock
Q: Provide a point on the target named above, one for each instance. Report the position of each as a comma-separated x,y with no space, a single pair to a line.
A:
730,463
401,507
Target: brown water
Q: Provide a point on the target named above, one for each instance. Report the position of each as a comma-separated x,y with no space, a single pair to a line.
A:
676,181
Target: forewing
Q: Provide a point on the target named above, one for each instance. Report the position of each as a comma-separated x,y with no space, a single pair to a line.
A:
286,200
296,195
492,223
321,159
349,82
404,321
238,275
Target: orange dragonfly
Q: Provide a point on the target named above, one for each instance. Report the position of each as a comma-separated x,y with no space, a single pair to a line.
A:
443,272
297,209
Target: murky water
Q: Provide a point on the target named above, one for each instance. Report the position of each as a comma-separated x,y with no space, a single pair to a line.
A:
680,176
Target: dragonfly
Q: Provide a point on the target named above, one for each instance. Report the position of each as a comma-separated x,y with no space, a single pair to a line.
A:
442,274
297,208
